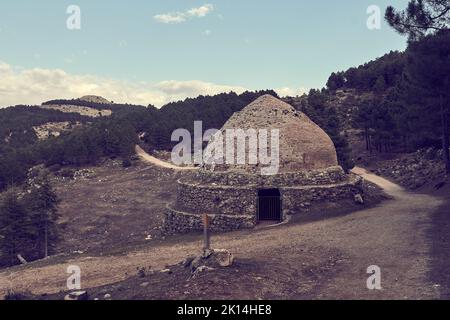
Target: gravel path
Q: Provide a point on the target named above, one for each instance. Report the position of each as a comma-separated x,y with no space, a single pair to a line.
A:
155,161
391,236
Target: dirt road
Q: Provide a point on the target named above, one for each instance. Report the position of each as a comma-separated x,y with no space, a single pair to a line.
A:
391,236
159,163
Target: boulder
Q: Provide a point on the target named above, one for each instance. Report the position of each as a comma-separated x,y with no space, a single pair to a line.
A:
77,296
359,199
217,258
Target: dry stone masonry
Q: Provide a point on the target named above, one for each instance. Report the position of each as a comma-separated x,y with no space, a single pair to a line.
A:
308,174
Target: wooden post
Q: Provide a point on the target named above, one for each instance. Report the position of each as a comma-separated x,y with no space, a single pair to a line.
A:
206,235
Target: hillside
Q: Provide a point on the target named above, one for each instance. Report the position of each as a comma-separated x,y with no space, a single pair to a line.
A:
367,122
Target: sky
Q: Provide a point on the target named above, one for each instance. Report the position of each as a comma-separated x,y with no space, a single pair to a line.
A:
153,52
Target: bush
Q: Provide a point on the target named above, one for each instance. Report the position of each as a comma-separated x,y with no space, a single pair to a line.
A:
126,163
12,295
67,173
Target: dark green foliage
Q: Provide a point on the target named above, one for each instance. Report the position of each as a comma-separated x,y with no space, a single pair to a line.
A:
28,221
336,81
16,124
427,88
16,234
114,136
85,146
380,85
41,202
378,75
12,170
420,18
213,111
317,107
374,117
422,101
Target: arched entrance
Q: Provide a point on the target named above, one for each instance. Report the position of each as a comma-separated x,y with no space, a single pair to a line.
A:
269,205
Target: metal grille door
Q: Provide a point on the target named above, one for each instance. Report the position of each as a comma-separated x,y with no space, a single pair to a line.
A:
269,205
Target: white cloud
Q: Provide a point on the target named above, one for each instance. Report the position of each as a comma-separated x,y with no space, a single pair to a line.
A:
207,32
291,92
194,88
34,86
170,18
201,11
179,17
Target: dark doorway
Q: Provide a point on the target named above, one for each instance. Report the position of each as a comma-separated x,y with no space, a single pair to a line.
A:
269,205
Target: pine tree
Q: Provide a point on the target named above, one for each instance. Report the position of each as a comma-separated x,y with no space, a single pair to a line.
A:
15,228
428,72
420,18
42,201
380,85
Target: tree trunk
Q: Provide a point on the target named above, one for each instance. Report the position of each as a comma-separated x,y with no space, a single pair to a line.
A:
445,136
46,240
366,134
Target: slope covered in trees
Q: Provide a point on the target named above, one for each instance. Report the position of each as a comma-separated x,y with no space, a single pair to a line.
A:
377,75
16,123
213,111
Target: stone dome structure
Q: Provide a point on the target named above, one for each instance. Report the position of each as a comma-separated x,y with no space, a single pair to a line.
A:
237,195
303,144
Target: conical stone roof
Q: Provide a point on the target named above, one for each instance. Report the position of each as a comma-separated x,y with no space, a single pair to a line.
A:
303,145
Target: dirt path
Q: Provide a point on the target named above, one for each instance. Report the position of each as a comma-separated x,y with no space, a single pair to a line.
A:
391,236
155,161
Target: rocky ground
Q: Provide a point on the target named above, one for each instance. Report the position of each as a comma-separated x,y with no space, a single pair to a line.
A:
415,170
103,208
323,259
262,279
84,111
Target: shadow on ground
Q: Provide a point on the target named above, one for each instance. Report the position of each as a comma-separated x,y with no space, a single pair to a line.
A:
439,237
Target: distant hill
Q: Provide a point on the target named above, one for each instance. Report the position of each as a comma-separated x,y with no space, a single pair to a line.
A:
16,123
84,140
95,99
84,104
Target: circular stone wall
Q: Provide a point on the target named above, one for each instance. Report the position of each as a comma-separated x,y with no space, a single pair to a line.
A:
308,174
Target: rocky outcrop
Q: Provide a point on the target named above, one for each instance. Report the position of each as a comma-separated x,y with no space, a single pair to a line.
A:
414,170
84,111
95,99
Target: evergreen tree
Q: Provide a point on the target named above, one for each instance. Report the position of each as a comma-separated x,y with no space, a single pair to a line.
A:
336,81
380,85
316,107
420,18
15,228
41,202
428,74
